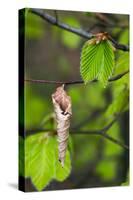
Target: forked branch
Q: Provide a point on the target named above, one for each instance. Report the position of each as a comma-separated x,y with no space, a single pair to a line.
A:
100,132
53,20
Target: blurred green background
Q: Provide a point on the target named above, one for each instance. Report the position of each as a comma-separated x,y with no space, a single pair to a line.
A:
54,54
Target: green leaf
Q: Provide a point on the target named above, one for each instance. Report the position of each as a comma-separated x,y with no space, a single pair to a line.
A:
124,37
42,164
120,88
122,63
97,61
62,173
119,104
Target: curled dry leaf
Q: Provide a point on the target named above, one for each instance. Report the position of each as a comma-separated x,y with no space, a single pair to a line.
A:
62,108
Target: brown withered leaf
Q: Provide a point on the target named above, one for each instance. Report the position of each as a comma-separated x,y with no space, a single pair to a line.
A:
63,100
62,108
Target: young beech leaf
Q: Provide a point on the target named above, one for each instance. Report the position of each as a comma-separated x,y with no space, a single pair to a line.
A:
97,61
41,160
62,107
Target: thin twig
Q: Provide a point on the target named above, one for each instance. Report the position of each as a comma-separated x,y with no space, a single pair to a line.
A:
117,77
107,127
101,132
88,132
53,20
56,16
115,141
119,46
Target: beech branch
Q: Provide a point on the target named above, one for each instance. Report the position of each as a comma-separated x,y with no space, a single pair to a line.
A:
54,21
115,78
100,132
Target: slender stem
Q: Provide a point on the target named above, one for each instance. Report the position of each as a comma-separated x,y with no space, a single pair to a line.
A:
56,16
117,77
115,140
88,132
101,132
53,20
119,46
82,33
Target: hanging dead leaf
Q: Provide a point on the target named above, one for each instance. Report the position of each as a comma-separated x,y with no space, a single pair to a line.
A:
63,112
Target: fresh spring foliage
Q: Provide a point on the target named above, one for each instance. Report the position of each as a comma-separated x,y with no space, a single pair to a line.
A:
120,89
97,61
39,152
41,160
41,149
119,104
